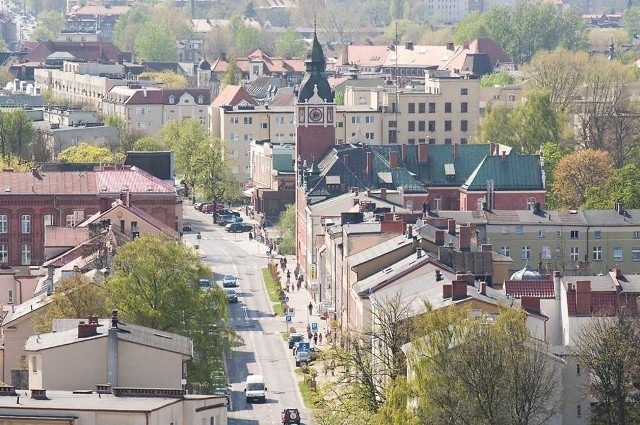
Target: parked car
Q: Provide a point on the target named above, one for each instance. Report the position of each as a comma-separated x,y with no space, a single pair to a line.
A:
238,227
204,284
232,295
230,219
229,281
224,219
228,212
295,338
186,227
302,357
207,208
290,416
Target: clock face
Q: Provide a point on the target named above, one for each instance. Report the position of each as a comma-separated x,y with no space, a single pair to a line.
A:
315,114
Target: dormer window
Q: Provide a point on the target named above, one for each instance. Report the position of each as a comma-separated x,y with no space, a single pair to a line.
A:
172,100
200,99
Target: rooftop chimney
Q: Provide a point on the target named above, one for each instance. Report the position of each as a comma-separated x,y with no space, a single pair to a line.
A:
583,297
88,329
408,45
482,288
451,226
455,151
369,164
619,208
345,160
418,252
383,193
439,237
464,239
458,290
393,159
438,275
112,350
450,46
504,155
403,151
39,394
446,291
423,153
486,247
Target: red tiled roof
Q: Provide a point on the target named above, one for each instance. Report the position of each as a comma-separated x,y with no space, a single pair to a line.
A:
530,288
136,180
89,50
28,183
600,302
233,95
480,45
283,99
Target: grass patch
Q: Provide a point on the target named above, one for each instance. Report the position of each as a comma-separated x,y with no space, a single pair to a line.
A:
272,290
311,399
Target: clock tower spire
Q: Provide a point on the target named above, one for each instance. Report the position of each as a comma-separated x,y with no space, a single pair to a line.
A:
315,108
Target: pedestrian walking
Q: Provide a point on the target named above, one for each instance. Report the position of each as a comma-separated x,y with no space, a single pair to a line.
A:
310,335
320,338
310,307
315,338
288,275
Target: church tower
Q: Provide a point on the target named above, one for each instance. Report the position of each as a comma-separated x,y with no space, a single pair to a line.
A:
314,109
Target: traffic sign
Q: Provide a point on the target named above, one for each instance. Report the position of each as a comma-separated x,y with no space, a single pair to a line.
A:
304,346
314,326
290,311
288,318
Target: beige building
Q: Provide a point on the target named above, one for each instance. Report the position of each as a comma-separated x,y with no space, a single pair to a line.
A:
149,108
82,83
122,406
78,355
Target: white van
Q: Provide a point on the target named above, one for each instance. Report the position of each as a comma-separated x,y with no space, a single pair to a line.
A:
255,389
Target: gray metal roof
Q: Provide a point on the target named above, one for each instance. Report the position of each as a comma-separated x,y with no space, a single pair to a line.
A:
25,308
566,218
611,218
390,273
378,250
68,334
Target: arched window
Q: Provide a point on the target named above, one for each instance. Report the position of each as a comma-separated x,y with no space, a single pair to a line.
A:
172,100
200,99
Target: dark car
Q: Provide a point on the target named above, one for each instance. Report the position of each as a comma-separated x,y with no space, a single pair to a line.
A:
229,219
232,295
294,339
238,227
290,416
186,227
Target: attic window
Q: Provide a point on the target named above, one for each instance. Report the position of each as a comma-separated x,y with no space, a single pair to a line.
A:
172,100
333,179
103,188
200,99
7,189
149,188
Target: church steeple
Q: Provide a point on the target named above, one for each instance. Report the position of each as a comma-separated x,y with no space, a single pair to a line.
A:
315,67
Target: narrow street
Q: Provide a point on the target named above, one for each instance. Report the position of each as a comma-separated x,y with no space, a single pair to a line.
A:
265,352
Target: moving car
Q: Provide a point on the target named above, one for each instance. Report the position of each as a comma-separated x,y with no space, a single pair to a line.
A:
204,284
232,295
229,218
290,416
238,227
229,281
255,389
294,339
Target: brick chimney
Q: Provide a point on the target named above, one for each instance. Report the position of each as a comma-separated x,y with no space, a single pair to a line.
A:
492,148
464,239
458,290
446,291
393,159
482,288
369,164
583,297
618,272
450,46
345,160
423,153
383,193
530,303
409,232
486,247
88,329
504,155
439,237
451,226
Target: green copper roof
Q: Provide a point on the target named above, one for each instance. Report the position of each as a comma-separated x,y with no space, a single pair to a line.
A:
283,163
515,172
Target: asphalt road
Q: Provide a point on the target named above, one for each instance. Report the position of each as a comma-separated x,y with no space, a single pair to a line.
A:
264,352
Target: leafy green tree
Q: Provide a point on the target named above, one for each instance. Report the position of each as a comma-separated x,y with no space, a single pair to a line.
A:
168,79
578,172
154,283
623,186
129,25
502,78
50,23
573,30
128,136
495,126
471,371
76,297
232,76
85,152
156,42
184,138
535,122
607,350
552,153
17,134
4,47
290,43
287,227
246,39
631,20
149,144
472,26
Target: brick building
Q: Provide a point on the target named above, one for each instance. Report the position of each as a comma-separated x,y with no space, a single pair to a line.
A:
32,200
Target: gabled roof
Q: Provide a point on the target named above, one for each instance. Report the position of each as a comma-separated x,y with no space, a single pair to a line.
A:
530,288
480,45
132,179
283,98
233,95
363,55
66,333
377,251
514,172
28,183
88,50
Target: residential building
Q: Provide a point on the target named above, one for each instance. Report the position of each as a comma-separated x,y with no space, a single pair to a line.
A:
257,63
57,139
149,108
79,51
118,406
272,176
34,200
83,83
97,20
79,354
